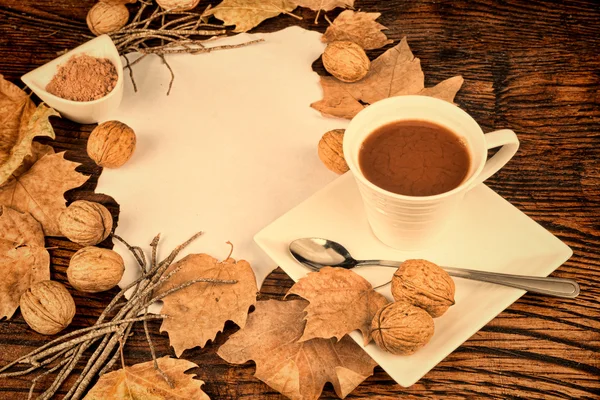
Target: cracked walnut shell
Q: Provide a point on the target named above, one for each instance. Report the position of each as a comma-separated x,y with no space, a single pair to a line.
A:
111,144
346,61
425,285
331,151
47,307
107,17
85,222
401,328
93,269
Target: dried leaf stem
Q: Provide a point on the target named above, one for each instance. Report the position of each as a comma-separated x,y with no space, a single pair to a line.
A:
63,354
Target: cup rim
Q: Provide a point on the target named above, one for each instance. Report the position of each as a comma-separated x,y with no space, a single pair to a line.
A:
403,99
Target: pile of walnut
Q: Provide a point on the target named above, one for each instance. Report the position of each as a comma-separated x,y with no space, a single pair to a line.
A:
348,62
422,291
47,306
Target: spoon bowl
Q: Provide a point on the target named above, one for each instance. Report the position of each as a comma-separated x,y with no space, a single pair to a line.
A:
321,252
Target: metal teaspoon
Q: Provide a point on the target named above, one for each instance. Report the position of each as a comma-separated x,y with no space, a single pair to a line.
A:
317,253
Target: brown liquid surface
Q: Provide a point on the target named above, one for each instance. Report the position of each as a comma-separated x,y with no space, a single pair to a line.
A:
414,158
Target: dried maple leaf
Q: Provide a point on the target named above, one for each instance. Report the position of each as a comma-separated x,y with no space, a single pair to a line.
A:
16,108
38,151
18,229
324,5
337,100
358,27
20,122
142,381
23,258
445,90
40,190
298,370
340,302
21,268
396,72
246,14
197,313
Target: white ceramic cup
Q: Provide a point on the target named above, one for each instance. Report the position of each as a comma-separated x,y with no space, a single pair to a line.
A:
412,222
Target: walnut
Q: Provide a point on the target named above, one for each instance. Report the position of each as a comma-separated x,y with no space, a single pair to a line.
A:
85,222
331,151
425,285
401,328
93,269
179,5
346,61
111,144
47,307
107,17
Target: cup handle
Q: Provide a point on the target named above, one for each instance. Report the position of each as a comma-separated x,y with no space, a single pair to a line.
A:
510,144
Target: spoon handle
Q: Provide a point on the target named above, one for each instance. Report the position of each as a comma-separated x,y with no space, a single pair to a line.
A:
378,263
558,287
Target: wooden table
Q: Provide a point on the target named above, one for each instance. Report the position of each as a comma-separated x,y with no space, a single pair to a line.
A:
532,66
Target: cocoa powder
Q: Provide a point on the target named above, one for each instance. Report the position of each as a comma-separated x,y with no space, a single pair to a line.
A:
83,78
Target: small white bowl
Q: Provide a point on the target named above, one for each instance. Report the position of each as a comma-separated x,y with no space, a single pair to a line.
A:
84,112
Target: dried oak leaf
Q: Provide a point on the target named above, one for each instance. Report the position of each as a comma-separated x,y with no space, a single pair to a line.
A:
324,5
142,381
396,72
246,14
358,27
20,122
40,190
296,369
23,258
340,302
198,312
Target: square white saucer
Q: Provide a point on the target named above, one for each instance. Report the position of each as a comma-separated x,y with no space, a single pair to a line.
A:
487,234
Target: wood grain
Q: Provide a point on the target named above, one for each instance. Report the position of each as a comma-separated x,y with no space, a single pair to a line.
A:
532,66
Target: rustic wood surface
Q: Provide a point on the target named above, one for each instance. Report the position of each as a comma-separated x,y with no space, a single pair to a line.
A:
532,66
